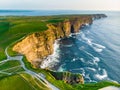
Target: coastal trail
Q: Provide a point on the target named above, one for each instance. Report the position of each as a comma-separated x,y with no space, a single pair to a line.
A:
38,76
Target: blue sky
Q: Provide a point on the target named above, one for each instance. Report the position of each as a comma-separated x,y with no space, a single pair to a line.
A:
61,4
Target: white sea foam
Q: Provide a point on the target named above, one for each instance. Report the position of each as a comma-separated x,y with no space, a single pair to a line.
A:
93,69
89,41
82,60
88,77
73,34
87,24
74,59
90,63
95,46
97,49
82,48
88,53
102,76
99,46
51,60
61,68
70,45
96,60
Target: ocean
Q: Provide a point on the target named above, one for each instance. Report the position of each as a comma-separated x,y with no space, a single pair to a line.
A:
94,51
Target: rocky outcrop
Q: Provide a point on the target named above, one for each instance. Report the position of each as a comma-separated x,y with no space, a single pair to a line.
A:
67,77
40,44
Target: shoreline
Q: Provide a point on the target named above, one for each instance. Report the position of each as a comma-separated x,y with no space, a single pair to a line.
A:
45,40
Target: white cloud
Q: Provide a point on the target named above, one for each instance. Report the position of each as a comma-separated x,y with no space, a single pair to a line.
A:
61,4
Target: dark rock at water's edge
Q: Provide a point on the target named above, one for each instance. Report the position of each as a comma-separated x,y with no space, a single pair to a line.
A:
99,16
67,77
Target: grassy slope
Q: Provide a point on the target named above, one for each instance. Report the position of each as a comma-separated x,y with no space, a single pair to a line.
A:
21,82
10,67
11,83
95,86
12,77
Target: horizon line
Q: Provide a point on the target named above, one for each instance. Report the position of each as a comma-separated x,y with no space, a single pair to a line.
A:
53,10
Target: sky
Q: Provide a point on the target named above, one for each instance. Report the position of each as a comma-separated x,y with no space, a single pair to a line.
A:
61,4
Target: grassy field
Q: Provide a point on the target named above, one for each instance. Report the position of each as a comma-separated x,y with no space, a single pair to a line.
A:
10,68
21,82
95,86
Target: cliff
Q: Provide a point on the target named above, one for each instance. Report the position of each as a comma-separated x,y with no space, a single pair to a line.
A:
68,77
40,44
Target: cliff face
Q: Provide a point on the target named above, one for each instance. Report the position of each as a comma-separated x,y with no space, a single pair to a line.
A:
39,45
68,77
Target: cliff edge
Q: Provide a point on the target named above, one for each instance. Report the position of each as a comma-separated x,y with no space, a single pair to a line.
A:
40,44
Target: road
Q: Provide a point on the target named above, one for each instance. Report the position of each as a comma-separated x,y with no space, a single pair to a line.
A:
39,76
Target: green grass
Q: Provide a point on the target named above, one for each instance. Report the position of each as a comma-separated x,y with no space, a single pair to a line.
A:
21,82
35,83
2,54
14,82
10,67
55,20
9,64
4,26
95,86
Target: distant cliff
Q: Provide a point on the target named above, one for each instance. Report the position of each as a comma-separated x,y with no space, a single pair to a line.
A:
40,44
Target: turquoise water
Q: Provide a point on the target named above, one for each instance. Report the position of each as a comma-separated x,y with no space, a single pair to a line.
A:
94,51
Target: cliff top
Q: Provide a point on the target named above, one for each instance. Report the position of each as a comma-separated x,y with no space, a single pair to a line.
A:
13,28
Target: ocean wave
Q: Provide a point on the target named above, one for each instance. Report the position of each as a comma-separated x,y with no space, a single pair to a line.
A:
51,60
94,61
88,54
93,69
73,60
70,45
102,76
80,70
97,47
61,68
82,48
82,60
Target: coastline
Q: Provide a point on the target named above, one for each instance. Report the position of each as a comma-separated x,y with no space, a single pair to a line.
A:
50,80
45,40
